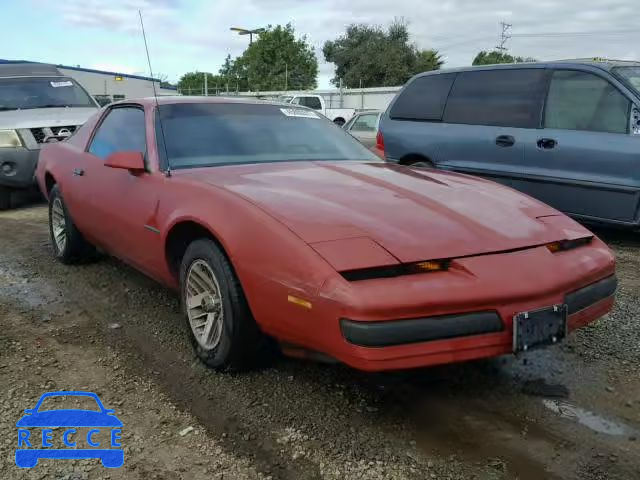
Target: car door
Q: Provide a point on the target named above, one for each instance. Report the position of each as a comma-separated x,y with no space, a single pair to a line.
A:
585,161
486,119
123,204
364,128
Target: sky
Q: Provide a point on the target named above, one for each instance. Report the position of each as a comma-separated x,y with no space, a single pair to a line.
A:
190,35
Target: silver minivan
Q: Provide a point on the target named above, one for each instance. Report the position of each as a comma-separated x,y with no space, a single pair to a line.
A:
566,132
37,104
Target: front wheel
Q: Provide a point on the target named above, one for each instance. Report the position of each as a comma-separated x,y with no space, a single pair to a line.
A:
5,198
339,121
69,246
223,332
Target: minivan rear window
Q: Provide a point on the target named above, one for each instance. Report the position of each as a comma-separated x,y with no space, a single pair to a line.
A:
424,98
501,97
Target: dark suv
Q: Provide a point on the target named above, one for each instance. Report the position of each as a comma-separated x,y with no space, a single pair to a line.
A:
566,132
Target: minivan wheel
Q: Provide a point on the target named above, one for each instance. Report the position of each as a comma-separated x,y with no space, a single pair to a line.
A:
423,164
5,198
69,246
223,332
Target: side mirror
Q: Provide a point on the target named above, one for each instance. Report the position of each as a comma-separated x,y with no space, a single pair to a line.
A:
132,161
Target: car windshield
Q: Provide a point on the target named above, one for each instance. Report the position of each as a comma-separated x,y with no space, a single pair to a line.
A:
208,134
631,75
63,402
20,93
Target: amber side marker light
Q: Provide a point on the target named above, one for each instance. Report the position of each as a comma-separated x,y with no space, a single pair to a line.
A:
299,301
563,245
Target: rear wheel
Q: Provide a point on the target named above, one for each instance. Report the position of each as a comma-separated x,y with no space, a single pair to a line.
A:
69,246
5,198
223,332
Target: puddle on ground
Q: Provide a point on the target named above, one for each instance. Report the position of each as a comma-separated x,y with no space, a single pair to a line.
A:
589,419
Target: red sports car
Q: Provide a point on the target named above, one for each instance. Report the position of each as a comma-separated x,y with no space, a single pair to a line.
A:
275,224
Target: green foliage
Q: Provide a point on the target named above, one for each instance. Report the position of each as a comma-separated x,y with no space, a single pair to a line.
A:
370,56
192,83
276,60
495,57
427,60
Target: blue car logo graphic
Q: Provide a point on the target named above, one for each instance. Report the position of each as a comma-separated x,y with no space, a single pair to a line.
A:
32,448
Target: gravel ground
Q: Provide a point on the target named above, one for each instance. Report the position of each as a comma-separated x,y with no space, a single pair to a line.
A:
568,412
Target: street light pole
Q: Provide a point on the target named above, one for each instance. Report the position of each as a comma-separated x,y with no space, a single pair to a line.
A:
245,31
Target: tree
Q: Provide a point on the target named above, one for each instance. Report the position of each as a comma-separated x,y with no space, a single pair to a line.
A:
495,57
370,56
275,61
427,60
164,79
192,83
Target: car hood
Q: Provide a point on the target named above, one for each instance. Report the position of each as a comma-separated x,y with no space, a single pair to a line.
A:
69,418
45,117
414,214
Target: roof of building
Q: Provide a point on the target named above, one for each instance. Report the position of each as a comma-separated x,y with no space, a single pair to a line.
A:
81,69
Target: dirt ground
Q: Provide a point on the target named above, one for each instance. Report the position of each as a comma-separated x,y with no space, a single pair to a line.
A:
567,412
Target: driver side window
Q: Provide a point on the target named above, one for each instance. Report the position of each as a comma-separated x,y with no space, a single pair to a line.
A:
121,131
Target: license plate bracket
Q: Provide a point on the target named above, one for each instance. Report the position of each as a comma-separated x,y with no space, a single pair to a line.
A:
539,328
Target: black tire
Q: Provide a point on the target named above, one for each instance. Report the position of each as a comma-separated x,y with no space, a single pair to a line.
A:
423,164
5,198
75,249
339,121
241,342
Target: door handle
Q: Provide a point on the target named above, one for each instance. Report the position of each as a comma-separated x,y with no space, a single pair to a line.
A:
505,141
546,143
78,172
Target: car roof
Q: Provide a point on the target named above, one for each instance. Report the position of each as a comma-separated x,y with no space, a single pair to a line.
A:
603,64
176,99
28,70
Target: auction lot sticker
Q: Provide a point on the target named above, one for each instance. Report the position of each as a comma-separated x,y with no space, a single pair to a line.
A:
53,430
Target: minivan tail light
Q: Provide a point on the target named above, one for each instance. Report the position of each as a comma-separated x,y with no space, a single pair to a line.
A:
380,144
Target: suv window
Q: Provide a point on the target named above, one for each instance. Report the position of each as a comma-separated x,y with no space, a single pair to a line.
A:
424,98
121,131
584,101
502,97
365,123
311,102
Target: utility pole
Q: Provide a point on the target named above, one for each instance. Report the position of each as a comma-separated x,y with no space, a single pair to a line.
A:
206,89
504,36
286,77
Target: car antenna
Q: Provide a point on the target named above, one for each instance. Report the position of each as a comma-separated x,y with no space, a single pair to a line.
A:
155,96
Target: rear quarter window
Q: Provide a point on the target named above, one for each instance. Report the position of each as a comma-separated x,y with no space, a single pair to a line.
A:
424,98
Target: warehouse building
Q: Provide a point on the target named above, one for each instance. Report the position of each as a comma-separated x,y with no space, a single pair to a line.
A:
110,86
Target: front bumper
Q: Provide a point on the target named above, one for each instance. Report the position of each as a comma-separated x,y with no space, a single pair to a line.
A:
377,346
505,284
17,167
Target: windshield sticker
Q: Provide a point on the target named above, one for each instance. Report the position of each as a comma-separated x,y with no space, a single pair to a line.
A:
299,112
66,83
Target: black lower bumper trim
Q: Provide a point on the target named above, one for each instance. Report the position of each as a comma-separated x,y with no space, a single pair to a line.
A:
399,332
587,296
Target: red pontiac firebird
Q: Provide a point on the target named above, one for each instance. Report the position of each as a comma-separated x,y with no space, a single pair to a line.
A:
273,223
